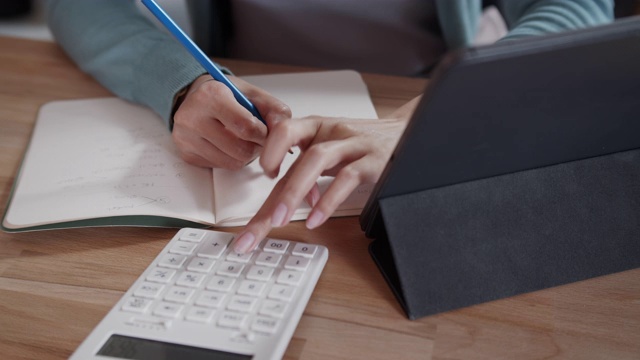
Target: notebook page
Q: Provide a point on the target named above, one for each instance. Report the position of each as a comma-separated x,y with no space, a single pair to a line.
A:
239,195
103,158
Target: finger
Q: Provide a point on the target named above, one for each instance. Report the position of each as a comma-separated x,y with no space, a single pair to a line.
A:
338,191
282,137
286,195
233,116
260,225
305,171
197,135
313,196
239,149
200,152
271,108
252,235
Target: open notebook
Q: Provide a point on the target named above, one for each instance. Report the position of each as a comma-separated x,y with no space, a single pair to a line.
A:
100,162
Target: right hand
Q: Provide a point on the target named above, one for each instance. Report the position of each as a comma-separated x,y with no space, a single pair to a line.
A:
211,129
354,151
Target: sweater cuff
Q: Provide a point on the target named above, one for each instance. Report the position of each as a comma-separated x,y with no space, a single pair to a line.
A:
158,89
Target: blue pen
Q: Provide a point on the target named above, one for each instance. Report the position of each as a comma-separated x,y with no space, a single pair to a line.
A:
203,59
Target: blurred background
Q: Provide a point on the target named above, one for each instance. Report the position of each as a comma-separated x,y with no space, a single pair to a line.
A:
25,18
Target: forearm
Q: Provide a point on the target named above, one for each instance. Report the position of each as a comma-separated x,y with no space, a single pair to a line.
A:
530,18
125,52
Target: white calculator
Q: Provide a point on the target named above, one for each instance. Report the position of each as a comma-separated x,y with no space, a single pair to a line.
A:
200,300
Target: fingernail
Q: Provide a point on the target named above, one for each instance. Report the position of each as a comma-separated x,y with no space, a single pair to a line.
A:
278,217
274,173
244,242
315,219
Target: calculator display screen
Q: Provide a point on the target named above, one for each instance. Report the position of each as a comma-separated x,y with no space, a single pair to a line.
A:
125,347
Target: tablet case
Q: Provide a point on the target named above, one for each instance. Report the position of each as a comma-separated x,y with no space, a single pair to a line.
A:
518,172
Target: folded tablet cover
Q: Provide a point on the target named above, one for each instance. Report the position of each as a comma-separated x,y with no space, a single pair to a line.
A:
487,239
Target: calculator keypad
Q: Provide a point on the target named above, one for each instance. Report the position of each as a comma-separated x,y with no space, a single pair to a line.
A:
200,279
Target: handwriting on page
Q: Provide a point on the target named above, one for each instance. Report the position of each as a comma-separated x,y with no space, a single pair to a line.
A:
131,168
106,157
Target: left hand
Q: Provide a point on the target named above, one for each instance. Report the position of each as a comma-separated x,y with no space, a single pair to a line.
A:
354,151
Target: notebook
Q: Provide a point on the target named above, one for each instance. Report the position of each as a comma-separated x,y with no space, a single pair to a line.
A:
100,162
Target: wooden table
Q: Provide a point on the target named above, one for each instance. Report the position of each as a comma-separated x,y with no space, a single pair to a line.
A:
55,286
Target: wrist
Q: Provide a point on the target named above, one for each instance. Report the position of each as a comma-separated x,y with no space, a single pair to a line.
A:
179,97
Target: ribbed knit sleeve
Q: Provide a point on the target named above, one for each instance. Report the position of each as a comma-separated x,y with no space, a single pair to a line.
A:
459,18
112,41
529,18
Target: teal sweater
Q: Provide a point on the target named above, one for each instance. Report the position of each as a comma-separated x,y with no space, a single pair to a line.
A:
112,41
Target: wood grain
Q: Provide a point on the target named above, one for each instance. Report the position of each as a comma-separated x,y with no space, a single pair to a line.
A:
55,286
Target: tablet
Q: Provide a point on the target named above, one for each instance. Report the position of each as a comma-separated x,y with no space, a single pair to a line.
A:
519,105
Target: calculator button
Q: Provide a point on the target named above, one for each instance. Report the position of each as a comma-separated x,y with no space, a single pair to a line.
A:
190,279
260,273
289,277
220,283
172,261
276,246
273,308
183,247
282,292
193,235
230,269
242,303
268,259
250,287
168,310
179,294
232,319
264,324
161,275
241,258
214,247
136,304
297,263
306,250
201,264
148,290
210,299
198,314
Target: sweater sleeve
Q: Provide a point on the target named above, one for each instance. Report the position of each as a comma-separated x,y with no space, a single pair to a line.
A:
123,50
529,18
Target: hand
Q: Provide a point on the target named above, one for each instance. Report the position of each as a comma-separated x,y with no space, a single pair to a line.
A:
211,129
354,151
